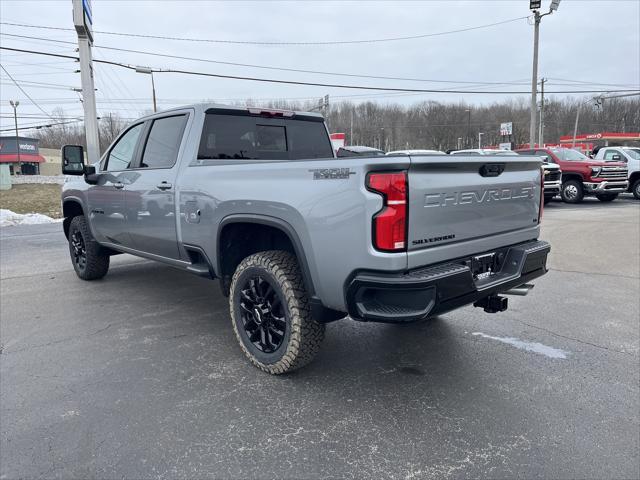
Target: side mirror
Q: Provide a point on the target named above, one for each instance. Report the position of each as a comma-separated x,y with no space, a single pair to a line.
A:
72,160
616,157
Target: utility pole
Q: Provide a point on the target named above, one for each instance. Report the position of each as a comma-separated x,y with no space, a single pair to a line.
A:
15,104
537,17
541,127
468,110
480,139
83,23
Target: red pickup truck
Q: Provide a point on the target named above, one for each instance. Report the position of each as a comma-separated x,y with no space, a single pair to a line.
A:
582,176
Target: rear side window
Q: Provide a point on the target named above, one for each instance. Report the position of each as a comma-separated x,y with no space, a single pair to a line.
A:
239,137
163,143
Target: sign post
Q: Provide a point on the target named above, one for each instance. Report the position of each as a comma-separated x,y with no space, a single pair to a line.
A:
83,22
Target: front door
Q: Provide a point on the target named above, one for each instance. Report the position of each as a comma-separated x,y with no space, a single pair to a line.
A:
150,194
106,198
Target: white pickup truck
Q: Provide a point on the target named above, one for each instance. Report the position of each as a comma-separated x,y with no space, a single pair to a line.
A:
628,155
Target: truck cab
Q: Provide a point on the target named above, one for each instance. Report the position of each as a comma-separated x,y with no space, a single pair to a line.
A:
582,176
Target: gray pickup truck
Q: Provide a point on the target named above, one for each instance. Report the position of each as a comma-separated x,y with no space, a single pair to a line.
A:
297,237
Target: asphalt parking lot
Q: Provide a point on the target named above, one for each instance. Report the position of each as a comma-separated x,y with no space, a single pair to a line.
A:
139,375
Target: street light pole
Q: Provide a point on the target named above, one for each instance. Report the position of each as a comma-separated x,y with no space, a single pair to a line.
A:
480,139
153,87
534,79
541,127
15,104
149,71
537,17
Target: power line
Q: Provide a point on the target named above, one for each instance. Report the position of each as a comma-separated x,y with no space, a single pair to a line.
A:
47,125
278,43
266,67
312,84
319,72
31,83
25,93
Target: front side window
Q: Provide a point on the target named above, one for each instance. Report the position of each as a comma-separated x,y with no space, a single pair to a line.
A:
121,155
163,143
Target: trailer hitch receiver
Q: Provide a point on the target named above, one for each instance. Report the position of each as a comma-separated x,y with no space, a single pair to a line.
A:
493,304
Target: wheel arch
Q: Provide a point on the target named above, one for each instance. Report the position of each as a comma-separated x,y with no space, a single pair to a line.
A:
572,176
261,224
634,177
71,207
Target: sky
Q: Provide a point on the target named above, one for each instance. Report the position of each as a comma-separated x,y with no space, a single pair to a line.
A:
585,45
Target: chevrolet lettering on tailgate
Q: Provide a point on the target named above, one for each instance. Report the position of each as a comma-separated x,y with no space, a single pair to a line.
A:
477,196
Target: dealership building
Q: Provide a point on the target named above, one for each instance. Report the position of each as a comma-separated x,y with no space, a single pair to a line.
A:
23,156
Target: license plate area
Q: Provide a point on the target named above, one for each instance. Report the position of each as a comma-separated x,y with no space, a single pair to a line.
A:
486,265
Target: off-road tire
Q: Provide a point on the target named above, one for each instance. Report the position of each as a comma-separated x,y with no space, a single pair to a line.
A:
607,197
565,192
96,264
303,335
635,189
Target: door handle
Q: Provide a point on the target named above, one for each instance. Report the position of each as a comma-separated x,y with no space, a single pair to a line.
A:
164,186
118,185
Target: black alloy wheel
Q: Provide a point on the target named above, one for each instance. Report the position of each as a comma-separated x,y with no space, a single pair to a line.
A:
262,314
89,260
79,250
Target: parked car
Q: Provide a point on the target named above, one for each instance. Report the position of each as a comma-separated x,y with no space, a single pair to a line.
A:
359,151
482,151
416,152
297,238
582,176
628,155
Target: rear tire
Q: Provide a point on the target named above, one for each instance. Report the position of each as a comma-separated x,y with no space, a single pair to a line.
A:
572,191
607,197
88,259
271,315
635,189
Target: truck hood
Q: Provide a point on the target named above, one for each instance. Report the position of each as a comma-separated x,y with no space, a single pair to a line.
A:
599,163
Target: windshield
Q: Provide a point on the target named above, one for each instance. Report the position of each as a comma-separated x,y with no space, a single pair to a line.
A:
570,155
633,153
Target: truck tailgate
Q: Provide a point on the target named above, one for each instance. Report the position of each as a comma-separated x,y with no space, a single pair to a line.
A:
467,200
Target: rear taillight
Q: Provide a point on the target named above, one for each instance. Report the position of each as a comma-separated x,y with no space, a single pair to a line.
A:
390,223
542,172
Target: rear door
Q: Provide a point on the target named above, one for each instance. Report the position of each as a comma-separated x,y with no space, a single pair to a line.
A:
456,200
150,194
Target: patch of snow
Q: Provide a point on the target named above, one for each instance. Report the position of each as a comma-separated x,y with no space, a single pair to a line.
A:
528,346
8,218
20,179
